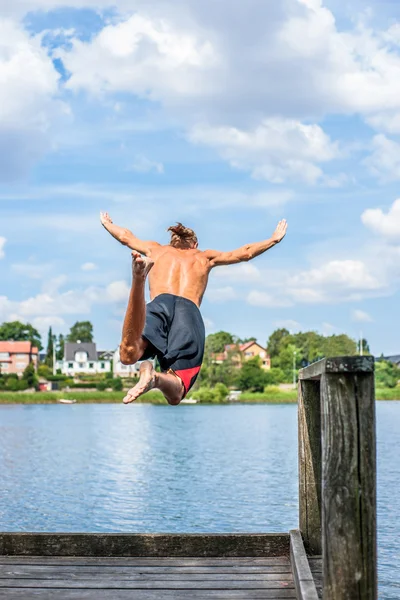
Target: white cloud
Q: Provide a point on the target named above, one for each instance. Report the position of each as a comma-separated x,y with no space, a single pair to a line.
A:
346,274
89,266
118,291
241,273
43,324
2,244
209,325
150,57
142,164
386,224
276,150
223,294
288,324
384,161
328,329
267,300
361,316
32,270
28,103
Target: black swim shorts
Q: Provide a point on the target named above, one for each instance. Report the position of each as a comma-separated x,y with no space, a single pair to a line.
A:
176,335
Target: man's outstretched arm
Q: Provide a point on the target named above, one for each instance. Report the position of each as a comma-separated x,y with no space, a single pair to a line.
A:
125,236
249,251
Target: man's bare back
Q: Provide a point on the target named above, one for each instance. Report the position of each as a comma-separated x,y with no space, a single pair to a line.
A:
184,272
171,327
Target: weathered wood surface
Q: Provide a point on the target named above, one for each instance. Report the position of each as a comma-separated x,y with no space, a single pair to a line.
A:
144,545
90,594
149,561
342,364
303,579
53,572
349,487
310,468
22,578
316,570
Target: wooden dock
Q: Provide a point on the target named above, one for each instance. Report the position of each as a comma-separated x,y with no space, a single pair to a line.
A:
332,555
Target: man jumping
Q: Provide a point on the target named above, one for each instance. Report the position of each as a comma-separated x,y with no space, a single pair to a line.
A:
170,326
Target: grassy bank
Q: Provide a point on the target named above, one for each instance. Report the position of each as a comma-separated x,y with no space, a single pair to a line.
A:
272,395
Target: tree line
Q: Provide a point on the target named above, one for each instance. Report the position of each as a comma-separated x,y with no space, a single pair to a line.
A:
288,352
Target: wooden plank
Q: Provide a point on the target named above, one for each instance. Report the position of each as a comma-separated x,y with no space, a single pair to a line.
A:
349,487
172,545
112,584
127,575
342,364
93,571
316,570
302,575
310,468
82,594
144,562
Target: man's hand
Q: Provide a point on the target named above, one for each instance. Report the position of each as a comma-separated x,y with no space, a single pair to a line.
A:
280,231
105,219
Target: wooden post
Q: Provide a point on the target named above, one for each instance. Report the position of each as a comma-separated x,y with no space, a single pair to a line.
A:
349,487
310,470
348,491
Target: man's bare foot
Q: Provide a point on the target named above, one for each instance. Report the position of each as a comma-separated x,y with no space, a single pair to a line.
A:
147,382
141,265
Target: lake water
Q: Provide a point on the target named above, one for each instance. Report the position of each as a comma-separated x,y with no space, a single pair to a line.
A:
145,468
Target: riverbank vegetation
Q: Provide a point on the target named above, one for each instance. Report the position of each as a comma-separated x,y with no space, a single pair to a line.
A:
226,367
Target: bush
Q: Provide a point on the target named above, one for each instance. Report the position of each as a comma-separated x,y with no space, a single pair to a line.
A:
117,384
16,385
109,375
387,374
274,376
84,385
29,376
58,377
251,376
44,371
210,395
101,386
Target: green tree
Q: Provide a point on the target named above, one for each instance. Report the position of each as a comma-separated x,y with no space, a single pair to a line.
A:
386,374
20,332
60,347
248,339
51,339
29,376
117,384
275,340
216,342
82,331
251,376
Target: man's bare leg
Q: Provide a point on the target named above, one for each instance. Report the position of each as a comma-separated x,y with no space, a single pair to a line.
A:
168,383
132,344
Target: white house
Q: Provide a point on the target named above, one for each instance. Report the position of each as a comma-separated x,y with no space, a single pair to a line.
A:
121,370
82,357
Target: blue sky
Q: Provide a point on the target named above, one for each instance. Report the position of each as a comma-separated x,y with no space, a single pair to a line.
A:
227,117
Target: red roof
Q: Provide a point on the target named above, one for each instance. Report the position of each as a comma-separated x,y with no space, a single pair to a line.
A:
18,347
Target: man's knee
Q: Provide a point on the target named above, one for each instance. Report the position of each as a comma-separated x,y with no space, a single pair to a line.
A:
129,355
174,401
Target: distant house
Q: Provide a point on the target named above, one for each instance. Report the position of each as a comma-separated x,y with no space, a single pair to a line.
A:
121,370
240,352
105,354
82,357
394,359
16,356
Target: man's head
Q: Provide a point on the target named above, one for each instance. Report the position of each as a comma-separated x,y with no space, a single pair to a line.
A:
183,237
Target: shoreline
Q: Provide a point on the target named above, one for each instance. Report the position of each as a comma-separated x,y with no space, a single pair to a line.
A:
269,397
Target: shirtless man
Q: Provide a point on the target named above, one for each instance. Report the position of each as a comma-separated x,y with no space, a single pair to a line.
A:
171,326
